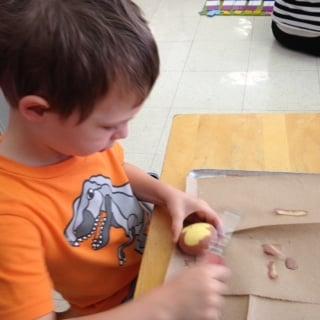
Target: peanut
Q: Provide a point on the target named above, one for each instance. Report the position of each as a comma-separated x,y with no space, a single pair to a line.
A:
296,213
272,271
291,263
272,250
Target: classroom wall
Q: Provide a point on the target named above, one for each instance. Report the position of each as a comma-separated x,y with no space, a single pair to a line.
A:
3,112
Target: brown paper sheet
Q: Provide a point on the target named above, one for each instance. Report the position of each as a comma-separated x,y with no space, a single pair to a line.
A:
248,263
259,308
262,309
253,295
256,197
236,308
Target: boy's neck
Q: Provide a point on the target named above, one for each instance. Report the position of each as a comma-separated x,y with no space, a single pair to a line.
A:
17,145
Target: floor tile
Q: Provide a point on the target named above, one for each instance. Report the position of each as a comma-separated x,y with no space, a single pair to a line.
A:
218,56
261,30
145,131
146,142
216,90
318,66
164,90
149,118
297,90
187,8
196,110
226,29
173,55
271,56
149,7
141,160
157,163
163,142
179,28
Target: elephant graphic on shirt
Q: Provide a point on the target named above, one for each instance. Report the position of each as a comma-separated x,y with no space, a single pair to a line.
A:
102,206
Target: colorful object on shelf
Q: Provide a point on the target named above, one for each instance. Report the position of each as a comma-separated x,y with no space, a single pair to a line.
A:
238,8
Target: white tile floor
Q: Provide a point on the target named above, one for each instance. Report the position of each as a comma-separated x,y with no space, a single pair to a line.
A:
213,65
216,65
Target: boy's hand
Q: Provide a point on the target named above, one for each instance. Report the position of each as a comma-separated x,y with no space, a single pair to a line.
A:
196,293
181,205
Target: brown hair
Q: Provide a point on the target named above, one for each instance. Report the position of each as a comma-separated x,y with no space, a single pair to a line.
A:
71,52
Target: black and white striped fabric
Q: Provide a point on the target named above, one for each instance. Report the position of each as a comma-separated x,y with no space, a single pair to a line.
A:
298,17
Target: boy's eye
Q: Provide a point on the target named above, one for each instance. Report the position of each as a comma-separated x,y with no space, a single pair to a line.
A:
107,128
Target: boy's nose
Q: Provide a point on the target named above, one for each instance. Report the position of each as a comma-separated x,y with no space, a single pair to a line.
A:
122,132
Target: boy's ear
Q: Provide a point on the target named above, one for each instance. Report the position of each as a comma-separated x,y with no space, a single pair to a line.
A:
33,108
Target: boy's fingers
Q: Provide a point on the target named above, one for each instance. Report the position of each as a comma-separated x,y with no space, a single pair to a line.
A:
218,272
209,257
218,224
220,287
221,273
212,217
176,229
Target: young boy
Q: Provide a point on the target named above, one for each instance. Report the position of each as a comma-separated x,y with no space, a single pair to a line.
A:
75,73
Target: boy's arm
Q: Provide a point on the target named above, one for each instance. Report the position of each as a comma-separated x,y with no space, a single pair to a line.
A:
195,293
136,311
133,310
147,188
178,203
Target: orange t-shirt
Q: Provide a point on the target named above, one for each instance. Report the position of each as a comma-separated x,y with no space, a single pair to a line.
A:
75,227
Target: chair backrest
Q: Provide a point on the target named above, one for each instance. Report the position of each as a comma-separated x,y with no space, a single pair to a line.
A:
4,112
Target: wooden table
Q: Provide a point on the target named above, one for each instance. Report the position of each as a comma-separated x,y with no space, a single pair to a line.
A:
267,142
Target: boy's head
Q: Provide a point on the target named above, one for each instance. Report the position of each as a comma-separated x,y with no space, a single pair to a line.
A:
76,68
72,53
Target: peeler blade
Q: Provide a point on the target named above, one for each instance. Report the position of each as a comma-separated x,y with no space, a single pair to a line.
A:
230,221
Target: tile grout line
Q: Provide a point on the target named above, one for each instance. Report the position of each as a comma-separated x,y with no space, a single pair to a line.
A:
248,64
175,94
156,10
149,23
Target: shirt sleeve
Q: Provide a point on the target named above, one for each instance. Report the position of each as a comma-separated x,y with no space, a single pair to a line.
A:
25,285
